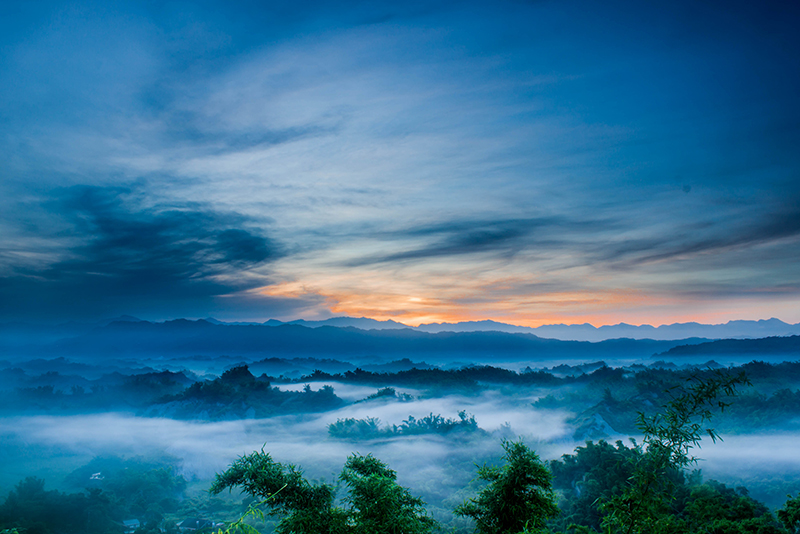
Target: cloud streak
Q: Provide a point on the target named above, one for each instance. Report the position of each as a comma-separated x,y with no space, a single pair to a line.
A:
781,223
455,238
116,248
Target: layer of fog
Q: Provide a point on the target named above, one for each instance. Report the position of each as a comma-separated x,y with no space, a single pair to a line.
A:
52,446
348,392
740,456
492,409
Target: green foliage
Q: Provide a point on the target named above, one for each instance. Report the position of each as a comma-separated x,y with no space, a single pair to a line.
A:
376,503
669,437
592,474
388,393
134,487
581,389
466,379
436,424
519,496
237,394
120,489
679,428
598,472
31,509
254,511
307,507
716,508
53,391
789,515
369,428
355,429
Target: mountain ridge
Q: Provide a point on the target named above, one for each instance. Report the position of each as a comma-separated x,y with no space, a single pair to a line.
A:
202,337
736,329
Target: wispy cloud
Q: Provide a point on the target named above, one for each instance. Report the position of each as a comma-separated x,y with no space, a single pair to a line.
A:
423,156
501,237
745,228
117,246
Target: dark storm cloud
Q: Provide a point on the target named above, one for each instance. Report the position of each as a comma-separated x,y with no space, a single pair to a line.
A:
117,248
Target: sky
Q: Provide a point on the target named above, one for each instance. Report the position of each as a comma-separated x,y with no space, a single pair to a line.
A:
527,162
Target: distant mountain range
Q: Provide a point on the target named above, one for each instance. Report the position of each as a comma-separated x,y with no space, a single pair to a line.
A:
768,345
382,341
575,332
13,333
203,338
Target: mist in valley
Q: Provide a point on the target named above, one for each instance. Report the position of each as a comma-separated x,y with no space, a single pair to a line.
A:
433,420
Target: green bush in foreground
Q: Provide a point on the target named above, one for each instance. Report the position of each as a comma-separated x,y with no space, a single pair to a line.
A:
643,506
375,504
789,515
613,490
519,497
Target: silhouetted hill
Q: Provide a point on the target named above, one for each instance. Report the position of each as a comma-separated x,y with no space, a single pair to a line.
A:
766,346
184,337
17,336
357,322
579,332
587,332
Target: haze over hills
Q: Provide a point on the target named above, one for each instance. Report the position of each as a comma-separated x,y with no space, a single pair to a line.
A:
13,334
184,337
130,337
755,347
582,332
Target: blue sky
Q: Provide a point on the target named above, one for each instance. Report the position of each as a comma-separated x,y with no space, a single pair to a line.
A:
529,162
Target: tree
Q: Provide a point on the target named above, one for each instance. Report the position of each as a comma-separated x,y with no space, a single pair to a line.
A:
519,496
31,509
376,503
789,515
593,473
669,437
306,507
713,507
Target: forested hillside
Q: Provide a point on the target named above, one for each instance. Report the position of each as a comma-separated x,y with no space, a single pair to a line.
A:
590,489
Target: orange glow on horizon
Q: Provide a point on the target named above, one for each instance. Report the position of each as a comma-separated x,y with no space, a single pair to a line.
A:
595,308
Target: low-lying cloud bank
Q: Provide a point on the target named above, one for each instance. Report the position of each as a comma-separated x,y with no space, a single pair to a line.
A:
205,448
32,444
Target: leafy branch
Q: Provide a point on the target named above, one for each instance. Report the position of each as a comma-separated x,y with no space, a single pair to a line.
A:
669,437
